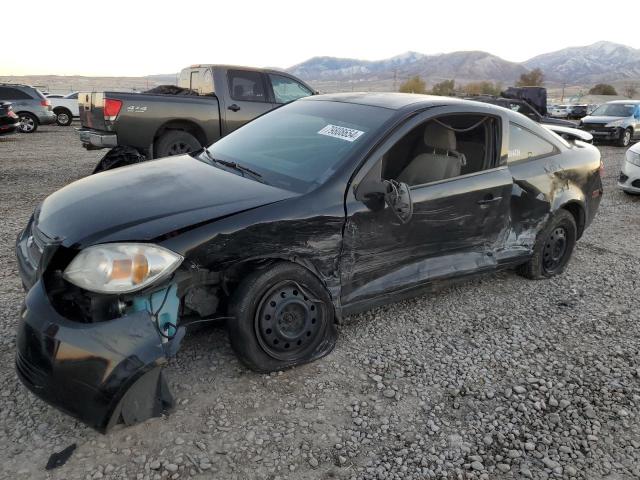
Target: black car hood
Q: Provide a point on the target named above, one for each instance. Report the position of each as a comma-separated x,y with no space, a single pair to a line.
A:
601,119
147,200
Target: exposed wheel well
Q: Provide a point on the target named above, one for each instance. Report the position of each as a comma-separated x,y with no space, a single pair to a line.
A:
61,109
577,211
184,125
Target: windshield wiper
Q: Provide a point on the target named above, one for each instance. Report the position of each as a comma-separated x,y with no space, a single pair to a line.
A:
234,165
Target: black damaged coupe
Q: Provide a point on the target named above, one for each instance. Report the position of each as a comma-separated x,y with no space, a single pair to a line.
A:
321,208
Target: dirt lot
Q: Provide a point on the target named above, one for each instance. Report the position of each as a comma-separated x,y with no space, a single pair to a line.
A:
498,377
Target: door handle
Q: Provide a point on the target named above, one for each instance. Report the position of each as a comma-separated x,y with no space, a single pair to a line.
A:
234,107
488,200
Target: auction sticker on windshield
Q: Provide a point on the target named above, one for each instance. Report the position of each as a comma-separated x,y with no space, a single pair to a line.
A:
343,133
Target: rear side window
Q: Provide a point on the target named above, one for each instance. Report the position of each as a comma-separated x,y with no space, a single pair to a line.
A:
8,93
286,89
246,86
526,145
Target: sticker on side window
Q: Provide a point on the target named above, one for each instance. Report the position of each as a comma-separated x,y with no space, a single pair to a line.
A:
343,133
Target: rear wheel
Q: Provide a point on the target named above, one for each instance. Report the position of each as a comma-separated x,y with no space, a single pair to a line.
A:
176,142
283,316
625,138
553,247
64,117
28,122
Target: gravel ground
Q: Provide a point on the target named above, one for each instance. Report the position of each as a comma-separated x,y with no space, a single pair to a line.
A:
498,377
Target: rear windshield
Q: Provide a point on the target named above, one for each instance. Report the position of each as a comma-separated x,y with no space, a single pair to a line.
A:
614,110
299,146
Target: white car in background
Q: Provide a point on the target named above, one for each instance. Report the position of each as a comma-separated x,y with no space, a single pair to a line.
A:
629,180
65,107
560,111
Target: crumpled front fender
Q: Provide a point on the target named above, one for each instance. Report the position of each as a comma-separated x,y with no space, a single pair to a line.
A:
99,372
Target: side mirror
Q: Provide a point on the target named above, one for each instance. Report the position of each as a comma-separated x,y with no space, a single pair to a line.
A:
397,195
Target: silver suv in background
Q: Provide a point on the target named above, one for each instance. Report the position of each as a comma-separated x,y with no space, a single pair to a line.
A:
31,106
617,121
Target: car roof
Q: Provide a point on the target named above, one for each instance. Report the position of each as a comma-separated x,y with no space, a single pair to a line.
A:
394,100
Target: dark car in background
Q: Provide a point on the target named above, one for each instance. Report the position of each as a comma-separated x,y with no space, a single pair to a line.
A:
617,121
577,112
529,101
322,208
9,121
31,106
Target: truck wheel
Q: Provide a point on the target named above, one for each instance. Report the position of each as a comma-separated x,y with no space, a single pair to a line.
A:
625,138
281,316
28,122
176,142
64,117
553,247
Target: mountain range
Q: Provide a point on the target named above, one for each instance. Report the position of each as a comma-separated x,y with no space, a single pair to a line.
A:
599,62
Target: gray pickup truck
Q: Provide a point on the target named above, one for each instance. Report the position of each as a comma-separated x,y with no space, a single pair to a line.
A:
209,102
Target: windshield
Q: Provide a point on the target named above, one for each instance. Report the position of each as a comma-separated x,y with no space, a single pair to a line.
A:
614,110
297,147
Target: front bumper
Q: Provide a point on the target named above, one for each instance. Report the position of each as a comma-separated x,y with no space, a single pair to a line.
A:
100,372
93,139
602,133
629,179
47,118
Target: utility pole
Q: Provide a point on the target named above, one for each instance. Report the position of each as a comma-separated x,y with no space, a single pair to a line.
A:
564,84
395,79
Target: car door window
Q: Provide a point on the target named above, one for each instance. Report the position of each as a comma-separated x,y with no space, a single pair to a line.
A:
443,148
286,89
524,144
246,86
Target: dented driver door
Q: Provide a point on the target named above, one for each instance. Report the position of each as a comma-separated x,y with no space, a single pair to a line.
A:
457,226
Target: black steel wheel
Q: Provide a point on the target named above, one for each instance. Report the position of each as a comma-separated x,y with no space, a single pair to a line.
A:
553,248
282,316
288,321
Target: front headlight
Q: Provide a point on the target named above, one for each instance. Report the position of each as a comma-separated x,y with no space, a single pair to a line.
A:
633,158
615,123
120,267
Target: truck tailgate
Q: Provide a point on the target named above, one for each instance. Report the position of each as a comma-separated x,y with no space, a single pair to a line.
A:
91,106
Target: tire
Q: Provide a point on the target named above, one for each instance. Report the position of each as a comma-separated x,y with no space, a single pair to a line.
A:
282,317
625,138
553,248
176,142
28,122
64,117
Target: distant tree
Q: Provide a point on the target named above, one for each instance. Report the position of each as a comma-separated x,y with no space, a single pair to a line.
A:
445,88
603,89
482,88
630,90
414,85
534,78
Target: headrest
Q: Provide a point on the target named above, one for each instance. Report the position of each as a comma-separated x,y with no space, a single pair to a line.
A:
437,136
238,91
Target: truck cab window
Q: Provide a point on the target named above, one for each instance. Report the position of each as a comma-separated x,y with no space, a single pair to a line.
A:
286,89
443,148
246,86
